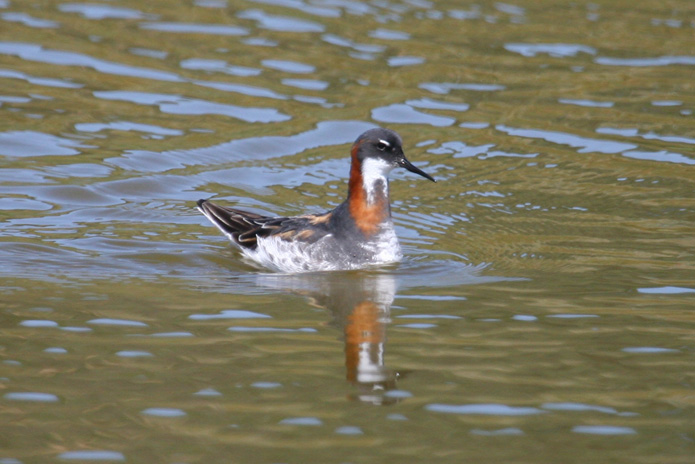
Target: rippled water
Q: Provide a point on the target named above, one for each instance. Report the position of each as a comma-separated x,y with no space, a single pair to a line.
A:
544,309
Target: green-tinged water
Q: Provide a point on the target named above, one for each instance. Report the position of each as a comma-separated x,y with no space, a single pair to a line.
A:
545,308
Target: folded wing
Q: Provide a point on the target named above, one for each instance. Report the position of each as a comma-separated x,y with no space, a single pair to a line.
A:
244,228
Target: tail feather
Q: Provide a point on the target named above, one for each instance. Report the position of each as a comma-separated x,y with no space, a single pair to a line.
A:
231,222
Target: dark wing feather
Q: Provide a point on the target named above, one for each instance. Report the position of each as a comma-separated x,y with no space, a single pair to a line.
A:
244,227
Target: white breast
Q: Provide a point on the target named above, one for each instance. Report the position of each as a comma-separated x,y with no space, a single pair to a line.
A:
374,177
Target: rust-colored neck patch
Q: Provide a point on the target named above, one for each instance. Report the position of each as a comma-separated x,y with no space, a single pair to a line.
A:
367,216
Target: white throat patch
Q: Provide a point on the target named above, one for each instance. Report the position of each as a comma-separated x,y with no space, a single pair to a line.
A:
374,176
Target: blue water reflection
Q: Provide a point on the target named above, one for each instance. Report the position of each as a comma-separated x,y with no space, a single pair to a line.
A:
97,11
34,52
33,144
557,50
195,28
221,66
280,23
29,21
177,104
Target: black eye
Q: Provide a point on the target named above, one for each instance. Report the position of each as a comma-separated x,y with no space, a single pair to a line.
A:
381,146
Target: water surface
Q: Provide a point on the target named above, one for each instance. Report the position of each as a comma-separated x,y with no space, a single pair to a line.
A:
543,311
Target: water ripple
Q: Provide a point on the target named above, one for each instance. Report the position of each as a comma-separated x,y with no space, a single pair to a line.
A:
684,60
228,314
117,322
329,9
645,135
195,28
23,204
31,143
499,432
43,81
396,61
103,11
289,66
388,34
176,104
31,396
585,144
280,23
589,103
603,430
249,90
428,103
579,407
306,84
366,49
484,409
325,134
33,52
164,412
558,50
669,290
29,21
127,126
201,64
444,88
399,113
92,455
302,421
662,156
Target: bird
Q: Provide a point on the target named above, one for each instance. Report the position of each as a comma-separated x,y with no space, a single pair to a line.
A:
359,233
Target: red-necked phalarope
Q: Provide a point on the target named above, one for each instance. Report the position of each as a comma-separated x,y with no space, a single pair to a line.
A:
357,234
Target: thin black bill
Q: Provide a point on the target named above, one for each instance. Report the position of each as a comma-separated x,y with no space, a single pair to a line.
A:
410,167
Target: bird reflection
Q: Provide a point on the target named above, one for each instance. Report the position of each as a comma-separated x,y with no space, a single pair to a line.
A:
360,304
365,340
